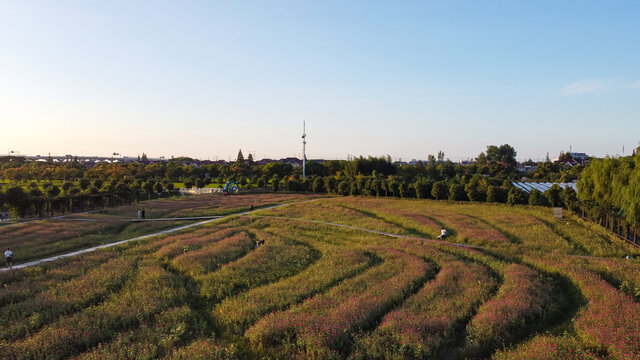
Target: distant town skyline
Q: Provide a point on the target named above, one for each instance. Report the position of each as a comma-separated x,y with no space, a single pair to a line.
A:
205,78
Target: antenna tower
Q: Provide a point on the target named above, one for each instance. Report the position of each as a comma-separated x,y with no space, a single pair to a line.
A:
304,146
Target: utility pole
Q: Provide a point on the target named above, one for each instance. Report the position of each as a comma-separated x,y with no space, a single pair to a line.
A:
304,149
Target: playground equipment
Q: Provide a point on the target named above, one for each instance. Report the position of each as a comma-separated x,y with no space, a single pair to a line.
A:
231,187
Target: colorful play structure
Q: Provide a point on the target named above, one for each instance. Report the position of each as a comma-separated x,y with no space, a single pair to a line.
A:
231,187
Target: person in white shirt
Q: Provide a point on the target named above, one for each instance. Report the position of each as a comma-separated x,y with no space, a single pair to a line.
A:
9,255
443,234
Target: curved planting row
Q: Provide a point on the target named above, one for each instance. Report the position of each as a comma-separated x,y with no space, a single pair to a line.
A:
321,326
611,319
152,291
522,300
623,273
336,264
205,349
276,259
464,228
174,245
322,292
211,257
19,285
330,210
609,322
150,340
429,319
71,295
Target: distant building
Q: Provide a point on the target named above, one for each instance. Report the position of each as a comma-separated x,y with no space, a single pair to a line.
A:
579,156
527,168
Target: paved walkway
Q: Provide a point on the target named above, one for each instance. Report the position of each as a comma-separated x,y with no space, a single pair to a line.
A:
146,220
215,218
94,248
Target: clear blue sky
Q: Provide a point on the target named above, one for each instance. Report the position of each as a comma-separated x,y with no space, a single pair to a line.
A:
404,78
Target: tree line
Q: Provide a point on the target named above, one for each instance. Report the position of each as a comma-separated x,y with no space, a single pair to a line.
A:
32,187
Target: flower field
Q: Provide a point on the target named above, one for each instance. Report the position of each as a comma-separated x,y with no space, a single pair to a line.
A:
508,283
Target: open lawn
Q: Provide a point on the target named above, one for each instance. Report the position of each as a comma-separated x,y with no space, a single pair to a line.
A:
508,283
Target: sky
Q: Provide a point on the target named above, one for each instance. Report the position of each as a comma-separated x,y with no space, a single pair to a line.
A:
402,78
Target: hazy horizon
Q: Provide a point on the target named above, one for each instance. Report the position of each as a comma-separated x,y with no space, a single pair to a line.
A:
204,79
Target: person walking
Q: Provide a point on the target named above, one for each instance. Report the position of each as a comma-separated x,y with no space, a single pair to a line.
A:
9,256
443,234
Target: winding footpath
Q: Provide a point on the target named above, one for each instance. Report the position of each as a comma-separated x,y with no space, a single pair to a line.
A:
216,218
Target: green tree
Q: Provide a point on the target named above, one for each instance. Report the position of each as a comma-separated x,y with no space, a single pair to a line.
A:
331,184
157,187
18,200
569,198
474,192
148,186
423,188
457,193
240,158
344,187
189,183
537,199
554,195
496,194
97,183
84,183
275,181
353,189
66,186
200,183
318,185
440,190
403,188
517,197
53,191
37,200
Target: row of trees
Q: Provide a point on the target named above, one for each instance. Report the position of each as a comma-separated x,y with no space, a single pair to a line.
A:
615,184
38,200
475,188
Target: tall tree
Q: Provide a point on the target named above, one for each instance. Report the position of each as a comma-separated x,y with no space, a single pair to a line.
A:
240,158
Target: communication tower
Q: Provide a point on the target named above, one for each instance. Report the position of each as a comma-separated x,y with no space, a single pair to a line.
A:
304,149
